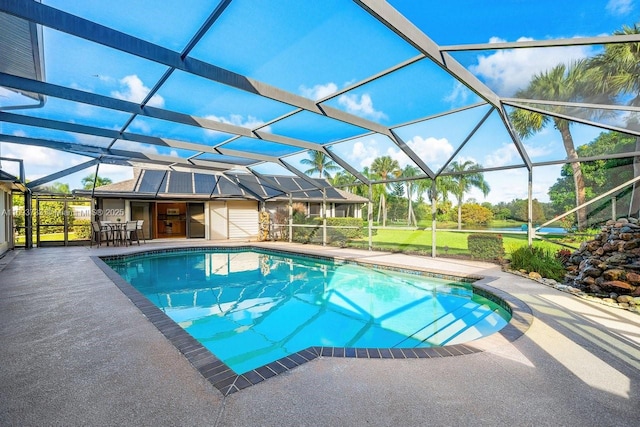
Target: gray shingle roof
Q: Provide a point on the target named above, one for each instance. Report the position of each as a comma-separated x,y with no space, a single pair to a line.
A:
168,184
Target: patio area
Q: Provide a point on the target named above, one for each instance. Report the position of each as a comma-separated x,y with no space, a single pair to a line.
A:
76,351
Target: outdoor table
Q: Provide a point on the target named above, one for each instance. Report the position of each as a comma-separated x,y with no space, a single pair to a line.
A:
118,230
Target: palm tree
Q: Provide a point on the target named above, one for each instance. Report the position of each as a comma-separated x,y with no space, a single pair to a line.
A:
384,168
618,73
345,180
320,163
412,187
466,177
561,83
349,183
88,181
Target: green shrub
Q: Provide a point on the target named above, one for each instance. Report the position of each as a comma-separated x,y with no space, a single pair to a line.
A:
473,213
82,229
486,246
344,234
542,261
306,234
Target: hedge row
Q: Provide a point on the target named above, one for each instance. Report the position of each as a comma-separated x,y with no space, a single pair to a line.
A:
486,246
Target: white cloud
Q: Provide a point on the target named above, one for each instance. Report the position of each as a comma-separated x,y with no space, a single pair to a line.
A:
106,79
134,90
361,106
434,152
507,71
431,150
128,145
249,122
458,95
505,155
363,155
535,151
142,126
399,156
619,7
318,91
237,120
40,161
115,173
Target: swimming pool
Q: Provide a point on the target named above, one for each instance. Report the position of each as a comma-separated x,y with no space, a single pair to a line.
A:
250,307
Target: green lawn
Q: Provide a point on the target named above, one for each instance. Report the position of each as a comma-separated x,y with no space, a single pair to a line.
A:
448,242
51,237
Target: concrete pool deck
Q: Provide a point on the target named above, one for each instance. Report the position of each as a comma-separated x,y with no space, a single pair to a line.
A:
74,350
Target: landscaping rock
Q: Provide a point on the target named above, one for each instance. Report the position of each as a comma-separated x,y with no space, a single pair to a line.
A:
610,263
535,276
618,284
592,272
633,277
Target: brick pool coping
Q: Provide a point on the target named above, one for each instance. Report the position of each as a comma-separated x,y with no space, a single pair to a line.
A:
227,381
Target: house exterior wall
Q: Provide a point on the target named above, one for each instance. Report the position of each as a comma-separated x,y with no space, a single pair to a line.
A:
6,220
230,219
217,227
113,209
243,219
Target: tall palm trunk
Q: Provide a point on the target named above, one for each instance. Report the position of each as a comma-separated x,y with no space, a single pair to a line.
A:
578,179
384,210
411,216
459,214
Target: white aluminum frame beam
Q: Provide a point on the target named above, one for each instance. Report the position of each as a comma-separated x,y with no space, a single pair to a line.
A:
88,30
60,174
573,119
579,41
76,95
400,25
90,151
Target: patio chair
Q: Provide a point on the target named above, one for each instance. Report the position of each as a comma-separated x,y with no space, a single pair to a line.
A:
131,231
139,229
110,230
97,232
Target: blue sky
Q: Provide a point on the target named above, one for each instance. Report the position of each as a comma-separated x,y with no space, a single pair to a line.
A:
313,49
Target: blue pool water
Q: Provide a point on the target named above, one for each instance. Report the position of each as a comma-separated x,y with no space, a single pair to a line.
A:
250,308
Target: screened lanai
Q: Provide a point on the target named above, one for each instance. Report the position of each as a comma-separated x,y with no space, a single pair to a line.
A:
446,115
